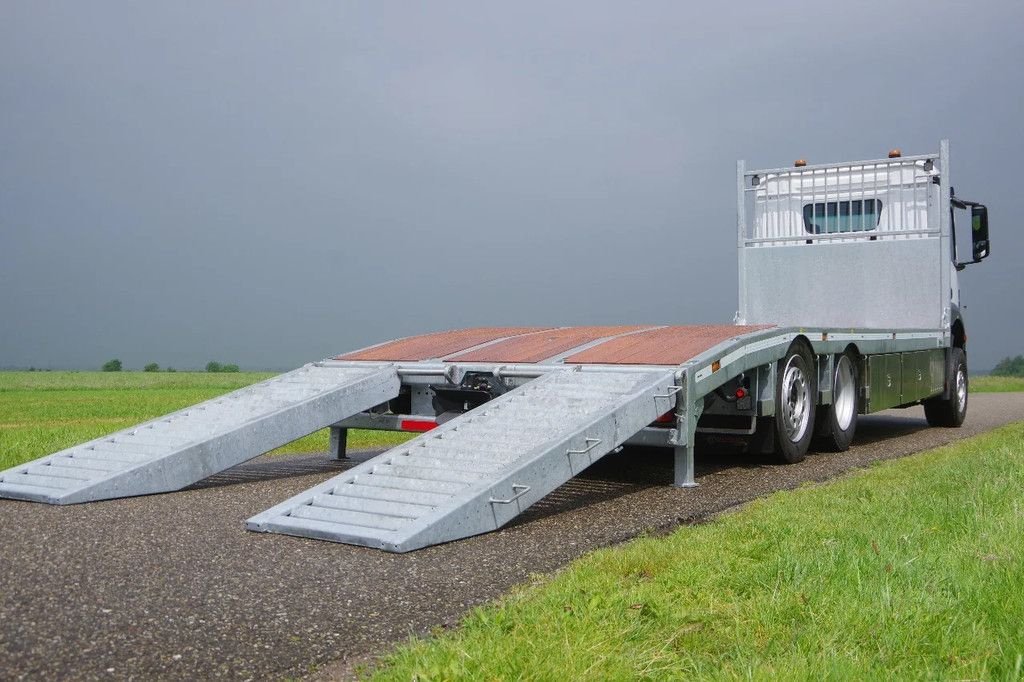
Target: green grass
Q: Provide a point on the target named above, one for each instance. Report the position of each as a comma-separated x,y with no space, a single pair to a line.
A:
911,569
994,384
42,412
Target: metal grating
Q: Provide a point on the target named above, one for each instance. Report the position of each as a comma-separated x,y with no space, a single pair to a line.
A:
178,449
477,472
852,202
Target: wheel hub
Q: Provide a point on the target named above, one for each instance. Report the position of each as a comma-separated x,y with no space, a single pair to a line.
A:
795,408
961,389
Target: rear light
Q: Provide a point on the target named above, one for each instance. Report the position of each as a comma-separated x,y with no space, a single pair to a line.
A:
417,425
740,393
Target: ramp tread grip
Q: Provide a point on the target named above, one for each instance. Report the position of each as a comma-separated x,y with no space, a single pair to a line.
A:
47,482
352,518
551,417
381,494
406,510
24,491
426,473
173,451
326,530
416,484
93,464
61,472
481,466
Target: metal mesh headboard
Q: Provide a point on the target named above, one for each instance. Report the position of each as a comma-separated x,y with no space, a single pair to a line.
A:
859,201
858,244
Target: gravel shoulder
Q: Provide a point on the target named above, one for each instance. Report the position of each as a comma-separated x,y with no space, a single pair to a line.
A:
172,587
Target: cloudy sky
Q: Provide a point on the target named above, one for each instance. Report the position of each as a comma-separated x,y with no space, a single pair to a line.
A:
272,183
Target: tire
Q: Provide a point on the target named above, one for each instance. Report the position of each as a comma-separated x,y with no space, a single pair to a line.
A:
796,394
950,412
838,422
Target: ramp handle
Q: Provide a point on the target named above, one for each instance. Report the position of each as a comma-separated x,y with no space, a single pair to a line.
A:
522,490
591,444
672,390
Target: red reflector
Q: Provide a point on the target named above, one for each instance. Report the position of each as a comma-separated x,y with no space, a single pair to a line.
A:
740,393
417,425
666,418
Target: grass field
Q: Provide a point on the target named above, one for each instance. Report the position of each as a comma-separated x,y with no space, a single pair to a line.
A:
991,384
42,412
911,569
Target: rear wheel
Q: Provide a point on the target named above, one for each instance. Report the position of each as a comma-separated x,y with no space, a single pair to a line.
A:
950,412
838,422
796,393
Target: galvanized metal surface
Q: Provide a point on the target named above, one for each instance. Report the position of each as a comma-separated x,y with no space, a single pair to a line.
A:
874,200
479,471
883,284
811,254
184,447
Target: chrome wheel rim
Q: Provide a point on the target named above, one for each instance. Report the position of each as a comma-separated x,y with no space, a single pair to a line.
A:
795,409
961,388
844,402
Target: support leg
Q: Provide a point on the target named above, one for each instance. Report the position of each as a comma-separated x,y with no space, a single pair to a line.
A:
686,428
338,443
684,467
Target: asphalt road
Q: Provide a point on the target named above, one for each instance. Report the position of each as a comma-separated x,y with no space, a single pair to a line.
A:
172,587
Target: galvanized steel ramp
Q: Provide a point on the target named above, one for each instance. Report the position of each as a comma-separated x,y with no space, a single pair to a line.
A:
187,446
480,470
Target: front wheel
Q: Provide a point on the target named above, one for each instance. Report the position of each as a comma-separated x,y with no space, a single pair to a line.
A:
796,394
951,412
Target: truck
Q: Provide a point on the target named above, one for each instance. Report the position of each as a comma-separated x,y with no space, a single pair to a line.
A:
849,303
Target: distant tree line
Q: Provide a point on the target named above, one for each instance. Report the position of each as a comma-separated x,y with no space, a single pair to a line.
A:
214,366
1010,367
116,365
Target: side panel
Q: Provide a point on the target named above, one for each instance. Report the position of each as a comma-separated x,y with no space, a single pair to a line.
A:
885,284
923,374
885,382
903,378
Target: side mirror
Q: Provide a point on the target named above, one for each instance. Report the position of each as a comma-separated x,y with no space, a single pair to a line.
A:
979,232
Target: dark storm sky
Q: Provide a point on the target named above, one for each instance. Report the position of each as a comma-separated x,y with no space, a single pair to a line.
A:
271,183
